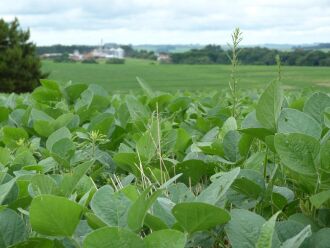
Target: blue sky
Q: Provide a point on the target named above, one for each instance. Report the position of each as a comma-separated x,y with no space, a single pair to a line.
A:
171,21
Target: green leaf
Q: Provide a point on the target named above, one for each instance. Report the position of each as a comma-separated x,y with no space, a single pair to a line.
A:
38,243
319,199
297,240
327,117
218,188
192,170
165,239
111,207
321,239
74,91
54,215
183,139
102,123
5,156
252,126
42,184
62,133
265,239
12,228
316,105
294,121
12,135
4,113
269,106
249,183
298,152
112,237
231,145
5,189
198,216
244,235
70,181
139,208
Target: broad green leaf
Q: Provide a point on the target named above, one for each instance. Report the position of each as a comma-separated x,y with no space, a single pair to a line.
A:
42,184
94,221
5,156
111,207
50,84
102,123
321,239
281,196
229,125
269,106
139,208
4,113
265,239
74,91
165,239
297,152
54,216
12,228
43,128
249,183
287,229
218,188
146,146
183,139
192,170
179,192
296,241
231,145
198,216
305,220
325,156
136,109
128,162
5,189
252,126
244,235
13,135
154,223
62,133
38,243
70,181
327,117
112,237
46,95
316,105
62,150
294,121
319,199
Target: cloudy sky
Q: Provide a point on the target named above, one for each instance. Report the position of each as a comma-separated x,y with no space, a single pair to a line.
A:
171,21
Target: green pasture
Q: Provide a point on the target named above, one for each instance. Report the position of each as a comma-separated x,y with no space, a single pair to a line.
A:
191,77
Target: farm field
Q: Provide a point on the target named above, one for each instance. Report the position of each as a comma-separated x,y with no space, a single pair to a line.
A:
192,77
84,168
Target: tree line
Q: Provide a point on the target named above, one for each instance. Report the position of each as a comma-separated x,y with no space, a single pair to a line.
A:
213,54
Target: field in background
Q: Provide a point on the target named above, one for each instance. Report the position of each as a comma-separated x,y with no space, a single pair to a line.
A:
173,77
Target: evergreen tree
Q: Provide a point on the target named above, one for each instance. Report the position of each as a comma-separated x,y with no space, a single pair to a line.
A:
20,67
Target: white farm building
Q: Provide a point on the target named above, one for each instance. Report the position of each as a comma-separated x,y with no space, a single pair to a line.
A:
108,53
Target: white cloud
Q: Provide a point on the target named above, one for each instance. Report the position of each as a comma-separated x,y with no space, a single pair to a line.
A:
170,21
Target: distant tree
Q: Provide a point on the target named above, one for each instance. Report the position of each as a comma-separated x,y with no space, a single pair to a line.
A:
20,67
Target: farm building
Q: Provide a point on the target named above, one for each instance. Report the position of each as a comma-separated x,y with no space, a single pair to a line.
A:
108,53
163,57
76,56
